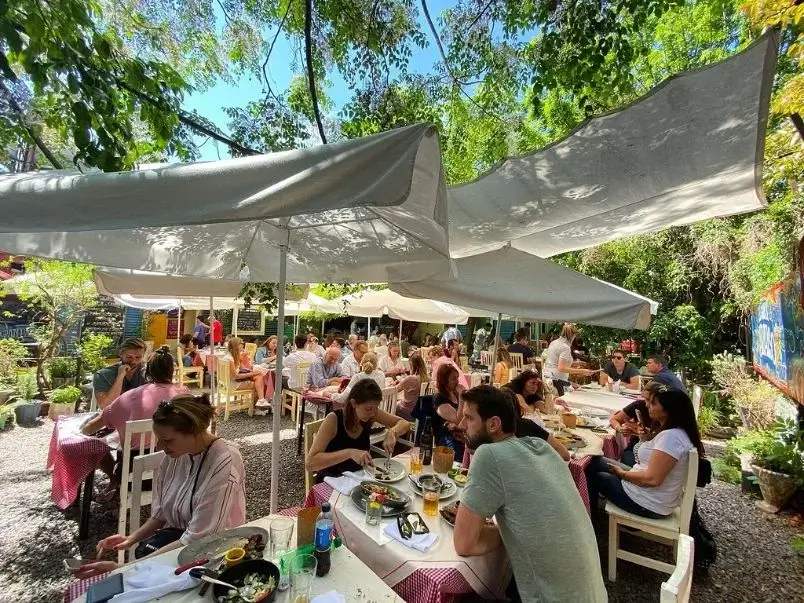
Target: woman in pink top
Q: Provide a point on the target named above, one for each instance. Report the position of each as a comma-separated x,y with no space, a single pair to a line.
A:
437,360
411,386
134,405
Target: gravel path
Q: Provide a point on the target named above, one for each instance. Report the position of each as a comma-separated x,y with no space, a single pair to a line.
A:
756,562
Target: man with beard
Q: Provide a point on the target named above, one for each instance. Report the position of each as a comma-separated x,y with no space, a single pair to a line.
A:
111,381
525,485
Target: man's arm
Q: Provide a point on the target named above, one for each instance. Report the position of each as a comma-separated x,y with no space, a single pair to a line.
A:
472,535
105,398
317,378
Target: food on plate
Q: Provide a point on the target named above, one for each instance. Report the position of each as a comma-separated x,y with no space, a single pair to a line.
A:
450,512
391,493
255,587
461,479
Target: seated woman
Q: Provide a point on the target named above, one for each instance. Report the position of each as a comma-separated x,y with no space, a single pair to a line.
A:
453,351
502,367
527,387
438,359
525,428
391,363
134,405
241,372
199,489
381,349
634,423
368,370
266,353
653,488
448,410
411,386
189,352
342,443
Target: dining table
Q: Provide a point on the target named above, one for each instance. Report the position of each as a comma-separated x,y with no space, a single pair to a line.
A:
349,577
600,399
438,575
72,459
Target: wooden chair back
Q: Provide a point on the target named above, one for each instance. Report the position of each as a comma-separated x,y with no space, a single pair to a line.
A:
690,483
389,398
250,349
678,586
697,397
485,357
309,435
142,466
141,432
518,360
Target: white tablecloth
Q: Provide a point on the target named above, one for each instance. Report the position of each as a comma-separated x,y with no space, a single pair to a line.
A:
349,576
596,399
487,575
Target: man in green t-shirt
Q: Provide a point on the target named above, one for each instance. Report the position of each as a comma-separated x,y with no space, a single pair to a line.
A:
541,519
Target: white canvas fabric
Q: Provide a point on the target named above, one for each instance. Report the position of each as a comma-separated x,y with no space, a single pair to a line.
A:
363,210
371,303
689,150
516,283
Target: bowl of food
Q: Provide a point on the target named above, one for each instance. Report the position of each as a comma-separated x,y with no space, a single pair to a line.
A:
393,498
460,479
256,580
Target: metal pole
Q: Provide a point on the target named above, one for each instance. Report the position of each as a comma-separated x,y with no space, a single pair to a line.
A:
280,352
368,328
400,330
234,320
494,347
212,365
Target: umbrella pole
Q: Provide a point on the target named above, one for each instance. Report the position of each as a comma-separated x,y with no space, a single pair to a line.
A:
212,366
280,351
368,328
400,330
496,341
234,321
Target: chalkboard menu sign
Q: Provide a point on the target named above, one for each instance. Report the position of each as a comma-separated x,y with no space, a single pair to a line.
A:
250,322
106,318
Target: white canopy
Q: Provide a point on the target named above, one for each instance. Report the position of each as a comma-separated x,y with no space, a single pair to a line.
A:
141,283
371,303
509,281
365,210
689,150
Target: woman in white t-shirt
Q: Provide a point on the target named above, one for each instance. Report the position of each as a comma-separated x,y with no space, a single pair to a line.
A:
391,363
368,370
654,486
558,361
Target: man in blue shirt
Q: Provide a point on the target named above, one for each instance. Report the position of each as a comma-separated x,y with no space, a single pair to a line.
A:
657,365
521,346
326,370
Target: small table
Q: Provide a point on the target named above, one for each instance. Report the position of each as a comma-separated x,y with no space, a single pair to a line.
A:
318,400
73,458
349,576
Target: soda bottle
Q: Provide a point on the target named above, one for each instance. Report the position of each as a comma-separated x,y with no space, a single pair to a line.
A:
323,539
427,442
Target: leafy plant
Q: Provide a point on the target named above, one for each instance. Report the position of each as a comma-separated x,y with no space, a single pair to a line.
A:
707,419
798,544
93,351
755,396
7,414
726,472
65,395
11,352
63,367
780,449
26,387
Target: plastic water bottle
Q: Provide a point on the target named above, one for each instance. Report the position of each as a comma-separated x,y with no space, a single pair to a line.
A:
323,539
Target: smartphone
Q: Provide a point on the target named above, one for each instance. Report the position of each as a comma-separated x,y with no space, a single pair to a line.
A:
639,417
73,563
105,589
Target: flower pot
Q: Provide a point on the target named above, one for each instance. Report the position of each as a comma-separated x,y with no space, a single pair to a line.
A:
27,412
58,410
44,409
777,488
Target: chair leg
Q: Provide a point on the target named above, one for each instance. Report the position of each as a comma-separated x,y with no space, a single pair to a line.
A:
614,544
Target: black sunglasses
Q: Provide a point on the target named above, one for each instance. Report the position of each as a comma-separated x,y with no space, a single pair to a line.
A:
410,524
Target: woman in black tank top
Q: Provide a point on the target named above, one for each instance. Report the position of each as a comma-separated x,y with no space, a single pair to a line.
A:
342,443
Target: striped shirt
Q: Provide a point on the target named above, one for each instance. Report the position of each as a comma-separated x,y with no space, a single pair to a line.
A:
220,496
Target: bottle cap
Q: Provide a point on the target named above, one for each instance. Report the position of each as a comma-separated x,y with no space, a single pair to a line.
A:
326,507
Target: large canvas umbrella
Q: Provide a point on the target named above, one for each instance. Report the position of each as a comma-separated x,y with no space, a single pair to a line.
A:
364,210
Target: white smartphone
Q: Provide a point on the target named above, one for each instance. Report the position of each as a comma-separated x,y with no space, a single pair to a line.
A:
73,563
639,417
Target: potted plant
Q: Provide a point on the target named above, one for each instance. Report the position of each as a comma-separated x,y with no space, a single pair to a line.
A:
63,401
11,353
778,464
26,408
6,416
62,371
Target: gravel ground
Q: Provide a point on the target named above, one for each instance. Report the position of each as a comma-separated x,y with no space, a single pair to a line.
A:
755,559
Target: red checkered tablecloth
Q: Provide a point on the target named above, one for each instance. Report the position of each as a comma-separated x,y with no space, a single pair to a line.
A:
72,457
79,587
612,447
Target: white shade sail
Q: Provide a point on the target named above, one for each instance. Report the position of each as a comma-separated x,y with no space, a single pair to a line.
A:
372,303
364,210
513,282
154,284
689,150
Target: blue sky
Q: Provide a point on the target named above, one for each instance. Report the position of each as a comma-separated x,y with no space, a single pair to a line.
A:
210,102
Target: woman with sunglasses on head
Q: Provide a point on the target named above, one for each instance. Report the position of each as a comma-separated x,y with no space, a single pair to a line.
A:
619,369
653,488
199,489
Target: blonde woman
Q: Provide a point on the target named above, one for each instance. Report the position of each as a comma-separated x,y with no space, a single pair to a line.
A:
267,352
503,365
244,376
411,386
368,370
391,363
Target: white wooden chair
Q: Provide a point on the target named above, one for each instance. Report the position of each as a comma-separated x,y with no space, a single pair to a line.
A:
228,394
309,434
93,402
426,389
188,375
464,363
250,349
144,429
697,397
291,397
666,530
518,360
389,399
485,357
679,584
142,466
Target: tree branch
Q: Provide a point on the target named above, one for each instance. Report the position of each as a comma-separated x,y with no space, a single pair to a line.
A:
799,124
308,52
31,132
271,47
480,15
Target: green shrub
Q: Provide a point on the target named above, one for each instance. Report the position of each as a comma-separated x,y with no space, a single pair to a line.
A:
63,367
65,395
11,352
726,472
93,351
26,386
780,449
707,419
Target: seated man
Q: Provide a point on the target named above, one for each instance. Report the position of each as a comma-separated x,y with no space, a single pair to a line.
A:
111,381
619,369
657,365
351,364
327,370
510,496
290,362
189,351
520,346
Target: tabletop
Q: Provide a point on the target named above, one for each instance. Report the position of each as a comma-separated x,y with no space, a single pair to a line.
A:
345,568
600,399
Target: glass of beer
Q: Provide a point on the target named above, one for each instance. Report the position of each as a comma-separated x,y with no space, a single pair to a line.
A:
416,461
302,574
431,492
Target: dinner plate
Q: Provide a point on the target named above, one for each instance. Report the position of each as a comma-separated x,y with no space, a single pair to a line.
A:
448,489
390,471
576,442
215,545
359,499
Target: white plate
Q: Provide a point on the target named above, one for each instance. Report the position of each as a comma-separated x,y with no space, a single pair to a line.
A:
449,489
397,471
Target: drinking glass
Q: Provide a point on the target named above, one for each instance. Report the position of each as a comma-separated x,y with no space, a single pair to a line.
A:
281,532
373,512
302,574
430,493
416,461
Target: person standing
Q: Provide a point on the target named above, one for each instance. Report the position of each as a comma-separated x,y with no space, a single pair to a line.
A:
216,329
480,341
201,329
558,364
489,424
111,381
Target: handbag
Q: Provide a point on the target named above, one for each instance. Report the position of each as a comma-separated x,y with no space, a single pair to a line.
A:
704,472
161,538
